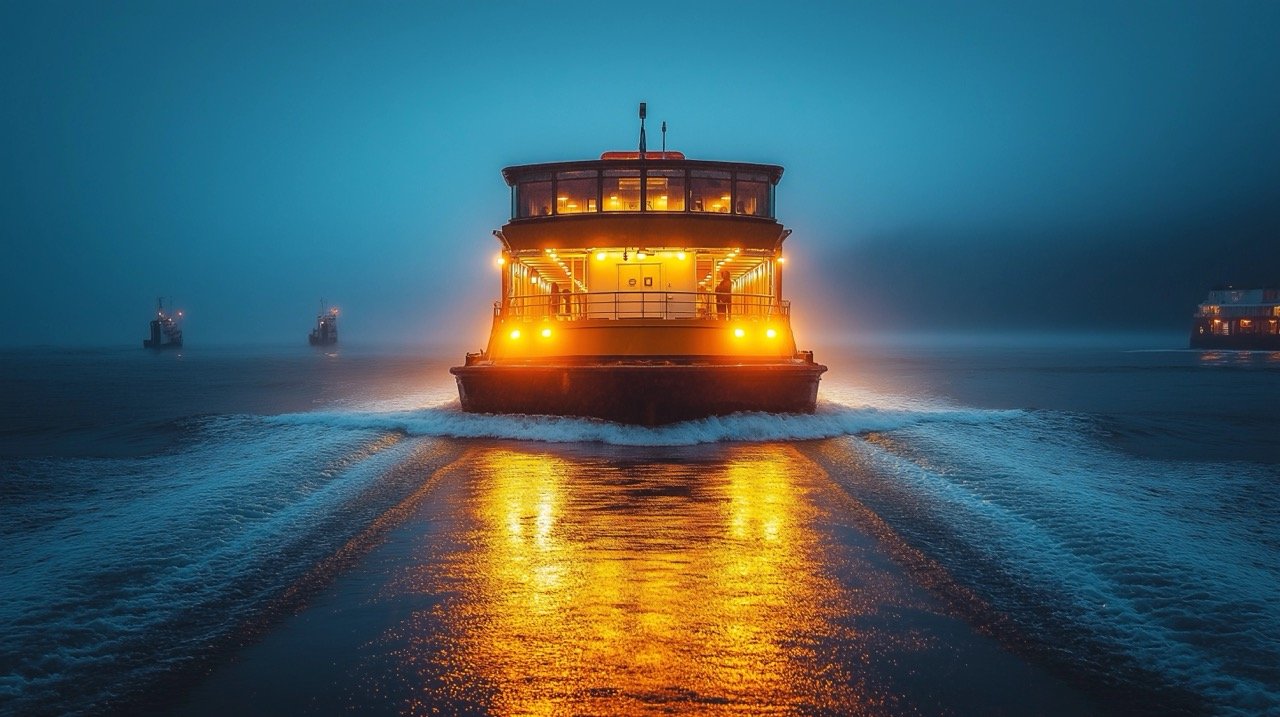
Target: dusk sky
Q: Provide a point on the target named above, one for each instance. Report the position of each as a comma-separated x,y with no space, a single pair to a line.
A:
948,166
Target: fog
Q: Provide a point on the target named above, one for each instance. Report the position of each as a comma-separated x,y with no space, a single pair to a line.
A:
979,167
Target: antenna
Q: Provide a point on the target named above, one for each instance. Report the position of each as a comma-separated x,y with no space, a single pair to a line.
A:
664,139
643,112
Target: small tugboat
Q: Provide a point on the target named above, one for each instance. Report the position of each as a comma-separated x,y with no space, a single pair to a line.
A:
165,331
642,287
1230,318
326,331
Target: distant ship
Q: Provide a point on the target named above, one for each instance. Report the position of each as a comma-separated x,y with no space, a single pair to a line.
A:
165,331
1233,318
642,287
326,331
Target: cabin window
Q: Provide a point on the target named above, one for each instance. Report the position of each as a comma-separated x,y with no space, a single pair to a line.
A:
533,199
751,196
664,190
620,190
577,192
709,191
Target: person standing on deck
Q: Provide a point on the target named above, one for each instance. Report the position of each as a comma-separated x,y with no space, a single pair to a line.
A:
724,295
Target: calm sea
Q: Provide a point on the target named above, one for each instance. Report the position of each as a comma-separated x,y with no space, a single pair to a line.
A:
1117,505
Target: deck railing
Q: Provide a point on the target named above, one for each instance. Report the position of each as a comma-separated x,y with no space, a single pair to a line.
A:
641,305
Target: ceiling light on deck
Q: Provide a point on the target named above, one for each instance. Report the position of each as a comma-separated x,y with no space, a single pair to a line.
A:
546,333
601,256
770,333
680,255
782,260
515,334
739,333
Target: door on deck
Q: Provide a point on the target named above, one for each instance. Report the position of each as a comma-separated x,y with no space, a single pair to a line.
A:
641,292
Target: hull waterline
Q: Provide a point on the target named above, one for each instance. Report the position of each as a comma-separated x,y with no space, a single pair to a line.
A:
648,393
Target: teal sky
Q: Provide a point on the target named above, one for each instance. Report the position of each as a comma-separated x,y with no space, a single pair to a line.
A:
949,165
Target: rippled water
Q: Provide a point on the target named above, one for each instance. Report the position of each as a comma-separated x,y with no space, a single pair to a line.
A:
1109,515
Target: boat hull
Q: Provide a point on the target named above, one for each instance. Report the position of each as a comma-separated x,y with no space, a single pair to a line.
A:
645,393
1237,342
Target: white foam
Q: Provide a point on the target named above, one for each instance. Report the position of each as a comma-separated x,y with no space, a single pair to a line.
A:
1140,554
831,419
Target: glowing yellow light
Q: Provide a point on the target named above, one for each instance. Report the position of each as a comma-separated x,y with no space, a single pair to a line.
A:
770,333
639,255
680,255
533,279
546,333
515,333
499,260
600,256
739,333
782,260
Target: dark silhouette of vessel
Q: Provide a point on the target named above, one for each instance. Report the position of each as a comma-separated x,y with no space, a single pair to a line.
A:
1231,318
165,331
326,331
642,287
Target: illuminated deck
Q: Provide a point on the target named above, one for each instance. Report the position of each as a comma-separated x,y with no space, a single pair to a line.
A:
633,262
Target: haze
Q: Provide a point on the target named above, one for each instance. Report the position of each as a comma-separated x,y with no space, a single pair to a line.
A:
973,167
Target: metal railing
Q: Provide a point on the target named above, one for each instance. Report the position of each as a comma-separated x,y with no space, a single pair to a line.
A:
642,305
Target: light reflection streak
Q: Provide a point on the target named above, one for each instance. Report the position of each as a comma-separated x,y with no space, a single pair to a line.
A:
588,586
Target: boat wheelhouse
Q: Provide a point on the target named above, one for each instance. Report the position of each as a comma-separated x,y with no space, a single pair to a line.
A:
1233,318
641,287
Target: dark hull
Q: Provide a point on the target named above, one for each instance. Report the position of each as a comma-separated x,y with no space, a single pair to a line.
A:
641,393
1239,342
158,345
317,341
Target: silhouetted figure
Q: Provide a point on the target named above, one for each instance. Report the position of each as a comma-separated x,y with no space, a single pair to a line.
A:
553,301
724,294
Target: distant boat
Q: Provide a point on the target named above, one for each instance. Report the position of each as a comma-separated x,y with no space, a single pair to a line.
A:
326,331
165,331
1233,318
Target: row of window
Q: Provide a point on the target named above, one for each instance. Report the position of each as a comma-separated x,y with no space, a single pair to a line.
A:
634,190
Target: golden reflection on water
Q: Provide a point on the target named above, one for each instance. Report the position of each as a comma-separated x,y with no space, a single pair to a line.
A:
604,586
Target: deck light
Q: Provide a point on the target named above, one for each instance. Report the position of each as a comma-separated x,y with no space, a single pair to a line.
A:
770,333
739,333
782,260
640,254
600,256
680,255
515,333
546,333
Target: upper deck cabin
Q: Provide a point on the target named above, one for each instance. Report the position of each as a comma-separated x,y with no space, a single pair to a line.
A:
641,237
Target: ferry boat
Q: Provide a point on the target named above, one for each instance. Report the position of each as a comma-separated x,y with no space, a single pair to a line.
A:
165,331
641,287
1233,318
326,331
